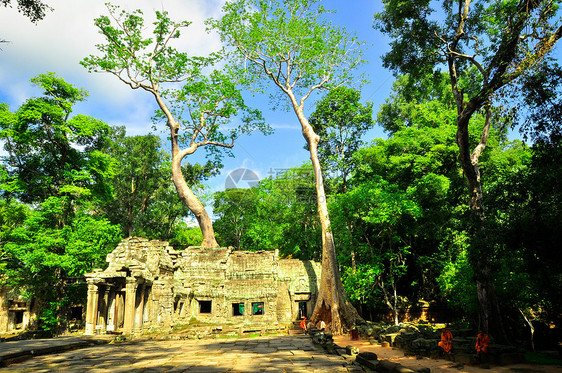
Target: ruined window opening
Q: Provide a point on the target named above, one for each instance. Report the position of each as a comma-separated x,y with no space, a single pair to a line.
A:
257,308
205,306
237,309
19,317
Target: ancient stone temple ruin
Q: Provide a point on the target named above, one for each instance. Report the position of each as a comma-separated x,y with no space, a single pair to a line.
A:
149,284
16,312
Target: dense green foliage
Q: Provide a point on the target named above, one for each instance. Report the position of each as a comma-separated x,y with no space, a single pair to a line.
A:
56,166
341,120
280,213
401,226
485,46
145,202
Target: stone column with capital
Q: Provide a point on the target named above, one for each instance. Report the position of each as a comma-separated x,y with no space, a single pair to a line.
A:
139,310
111,322
156,314
130,300
91,307
103,307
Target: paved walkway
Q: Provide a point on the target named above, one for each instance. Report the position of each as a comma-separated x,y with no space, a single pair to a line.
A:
280,353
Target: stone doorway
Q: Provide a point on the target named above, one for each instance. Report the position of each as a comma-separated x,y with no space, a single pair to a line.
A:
303,309
18,319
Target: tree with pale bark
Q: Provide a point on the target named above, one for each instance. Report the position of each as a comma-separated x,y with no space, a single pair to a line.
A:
199,114
485,46
291,46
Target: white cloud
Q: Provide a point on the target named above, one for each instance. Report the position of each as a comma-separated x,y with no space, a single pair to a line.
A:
60,41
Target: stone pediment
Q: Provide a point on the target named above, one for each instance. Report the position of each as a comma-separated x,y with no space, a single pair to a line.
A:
139,257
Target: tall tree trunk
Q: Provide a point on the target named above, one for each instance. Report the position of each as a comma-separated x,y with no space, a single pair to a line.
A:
186,194
332,305
498,66
490,319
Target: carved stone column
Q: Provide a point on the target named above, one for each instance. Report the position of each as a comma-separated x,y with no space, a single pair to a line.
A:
130,300
91,307
111,316
139,310
104,309
156,315
167,305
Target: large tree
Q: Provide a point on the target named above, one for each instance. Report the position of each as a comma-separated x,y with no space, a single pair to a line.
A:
291,46
144,202
484,46
195,114
54,165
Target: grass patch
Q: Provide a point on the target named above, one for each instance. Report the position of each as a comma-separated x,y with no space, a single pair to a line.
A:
227,336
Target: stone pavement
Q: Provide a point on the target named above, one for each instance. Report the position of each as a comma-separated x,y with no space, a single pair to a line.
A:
19,350
279,353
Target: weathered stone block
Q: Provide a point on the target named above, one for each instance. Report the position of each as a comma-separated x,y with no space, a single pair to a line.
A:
464,359
371,364
351,350
368,355
389,337
386,366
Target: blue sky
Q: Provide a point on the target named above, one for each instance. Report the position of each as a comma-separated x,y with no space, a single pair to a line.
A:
67,35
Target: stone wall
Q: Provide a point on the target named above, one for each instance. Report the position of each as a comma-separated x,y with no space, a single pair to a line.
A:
149,284
16,313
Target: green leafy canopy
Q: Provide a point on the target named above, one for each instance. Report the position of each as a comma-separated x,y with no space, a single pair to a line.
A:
289,43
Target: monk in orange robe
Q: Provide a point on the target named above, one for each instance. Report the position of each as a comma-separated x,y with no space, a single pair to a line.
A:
482,343
446,341
304,326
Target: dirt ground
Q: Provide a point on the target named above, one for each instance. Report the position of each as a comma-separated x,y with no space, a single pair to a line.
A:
439,366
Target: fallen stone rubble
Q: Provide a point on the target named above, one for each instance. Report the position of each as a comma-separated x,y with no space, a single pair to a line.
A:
422,341
368,360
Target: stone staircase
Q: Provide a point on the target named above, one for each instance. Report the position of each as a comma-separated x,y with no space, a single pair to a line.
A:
296,329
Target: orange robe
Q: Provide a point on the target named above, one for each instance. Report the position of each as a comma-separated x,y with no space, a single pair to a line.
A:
303,324
482,342
446,341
